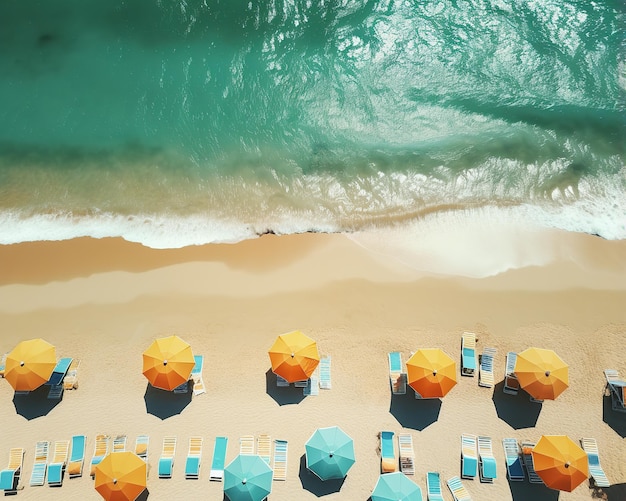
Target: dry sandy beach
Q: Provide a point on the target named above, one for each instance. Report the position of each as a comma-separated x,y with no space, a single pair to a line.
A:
104,301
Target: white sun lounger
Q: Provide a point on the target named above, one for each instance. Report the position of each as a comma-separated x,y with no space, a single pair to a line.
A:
280,460
458,490
486,460
264,447
590,446
324,371
485,368
527,457
407,454
397,375
246,445
40,466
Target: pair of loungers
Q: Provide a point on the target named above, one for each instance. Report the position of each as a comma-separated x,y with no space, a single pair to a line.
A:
477,458
434,489
389,460
320,379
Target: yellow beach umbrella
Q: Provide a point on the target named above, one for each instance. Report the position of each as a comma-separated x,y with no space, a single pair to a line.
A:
541,373
121,476
560,462
30,364
431,372
168,362
294,356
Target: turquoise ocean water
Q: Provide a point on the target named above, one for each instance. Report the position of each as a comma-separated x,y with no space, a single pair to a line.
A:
184,122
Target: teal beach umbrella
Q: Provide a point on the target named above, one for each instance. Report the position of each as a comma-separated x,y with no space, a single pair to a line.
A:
329,453
396,487
247,478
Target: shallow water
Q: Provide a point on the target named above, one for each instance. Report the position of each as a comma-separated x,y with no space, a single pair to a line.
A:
192,122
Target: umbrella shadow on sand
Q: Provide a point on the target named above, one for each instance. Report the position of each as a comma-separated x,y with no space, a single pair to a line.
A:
143,496
615,419
523,491
312,483
516,410
165,404
617,492
414,413
283,395
35,403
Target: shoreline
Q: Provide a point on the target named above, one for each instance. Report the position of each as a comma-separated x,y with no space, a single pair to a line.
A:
103,301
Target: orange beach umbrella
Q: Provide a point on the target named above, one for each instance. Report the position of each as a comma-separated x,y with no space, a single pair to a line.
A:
431,372
30,364
541,373
294,356
121,476
560,462
168,362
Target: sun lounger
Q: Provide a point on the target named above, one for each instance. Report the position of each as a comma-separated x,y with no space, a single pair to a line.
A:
182,388
77,456
433,487
219,459
312,387
196,375
458,490
70,381
100,449
590,446
397,375
527,457
166,461
468,354
469,457
615,386
485,368
194,457
324,368
388,461
407,454
40,466
59,372
119,443
3,361
486,460
10,476
301,384
513,459
280,460
264,447
56,469
141,446
280,381
246,445
511,384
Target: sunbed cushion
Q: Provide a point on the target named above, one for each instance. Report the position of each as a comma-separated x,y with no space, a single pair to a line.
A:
470,466
192,464
489,467
55,473
7,479
74,468
165,466
469,359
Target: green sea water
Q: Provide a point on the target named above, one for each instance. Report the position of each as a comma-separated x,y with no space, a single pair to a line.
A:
185,122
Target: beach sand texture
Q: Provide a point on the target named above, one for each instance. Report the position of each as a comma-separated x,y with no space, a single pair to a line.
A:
104,301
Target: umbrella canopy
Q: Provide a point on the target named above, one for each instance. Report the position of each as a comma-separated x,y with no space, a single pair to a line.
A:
560,463
247,478
294,356
541,373
30,364
168,362
431,373
329,453
121,476
396,486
